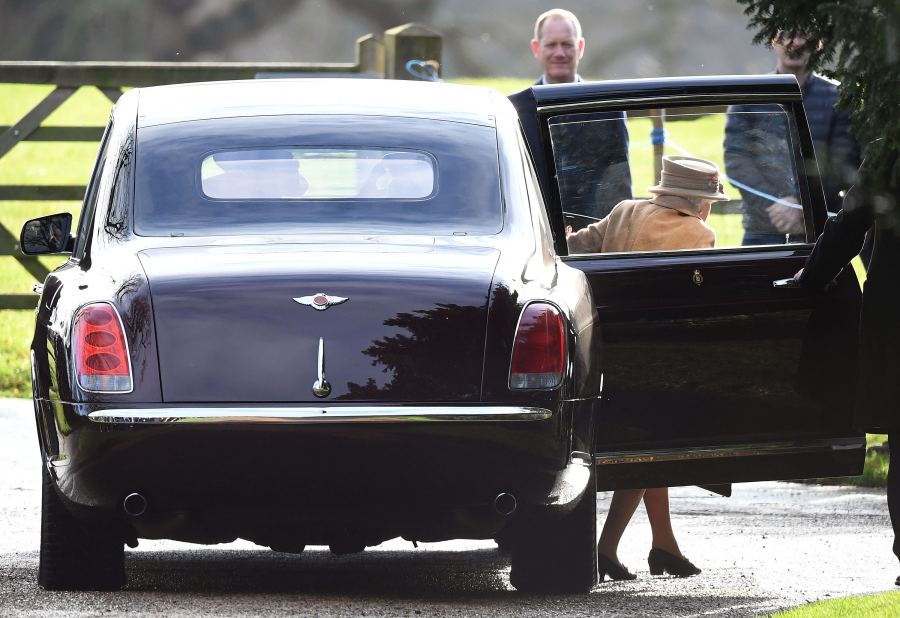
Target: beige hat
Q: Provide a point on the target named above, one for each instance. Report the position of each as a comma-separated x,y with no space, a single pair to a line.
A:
690,177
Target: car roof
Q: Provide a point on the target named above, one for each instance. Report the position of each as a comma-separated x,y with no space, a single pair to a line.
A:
356,97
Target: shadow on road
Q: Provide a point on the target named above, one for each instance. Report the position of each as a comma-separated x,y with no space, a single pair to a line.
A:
416,572
423,581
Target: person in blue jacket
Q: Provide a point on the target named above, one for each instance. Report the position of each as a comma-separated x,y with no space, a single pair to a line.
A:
758,156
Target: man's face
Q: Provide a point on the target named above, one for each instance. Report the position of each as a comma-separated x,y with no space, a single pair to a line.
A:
787,48
558,50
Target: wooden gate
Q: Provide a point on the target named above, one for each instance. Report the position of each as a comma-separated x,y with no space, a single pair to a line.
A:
374,59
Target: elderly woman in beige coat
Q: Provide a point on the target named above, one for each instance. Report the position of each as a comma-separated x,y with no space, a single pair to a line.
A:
674,218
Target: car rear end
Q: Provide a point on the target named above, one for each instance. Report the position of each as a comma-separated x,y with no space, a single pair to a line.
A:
318,296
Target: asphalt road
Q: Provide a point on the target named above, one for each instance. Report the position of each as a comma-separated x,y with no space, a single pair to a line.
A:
770,546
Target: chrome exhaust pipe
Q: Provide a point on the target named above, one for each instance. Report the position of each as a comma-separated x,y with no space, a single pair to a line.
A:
505,504
134,505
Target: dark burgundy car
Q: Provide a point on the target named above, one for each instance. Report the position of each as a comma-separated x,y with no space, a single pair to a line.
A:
336,312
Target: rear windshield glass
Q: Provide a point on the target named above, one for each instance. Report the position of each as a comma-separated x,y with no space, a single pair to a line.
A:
317,174
304,174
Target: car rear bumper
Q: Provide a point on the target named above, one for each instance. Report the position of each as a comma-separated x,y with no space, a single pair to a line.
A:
324,414
213,473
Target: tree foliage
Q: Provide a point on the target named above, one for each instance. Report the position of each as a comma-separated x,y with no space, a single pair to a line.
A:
860,47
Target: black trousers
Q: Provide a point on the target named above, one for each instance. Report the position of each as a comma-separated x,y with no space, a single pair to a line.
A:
893,487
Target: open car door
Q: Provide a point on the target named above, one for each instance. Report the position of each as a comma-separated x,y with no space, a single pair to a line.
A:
716,368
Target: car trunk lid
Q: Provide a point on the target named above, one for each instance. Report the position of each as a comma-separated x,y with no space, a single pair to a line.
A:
240,324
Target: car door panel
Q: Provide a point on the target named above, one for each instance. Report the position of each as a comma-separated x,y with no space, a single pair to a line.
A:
701,353
712,374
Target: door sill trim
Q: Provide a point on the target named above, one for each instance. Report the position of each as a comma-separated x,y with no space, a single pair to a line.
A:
728,452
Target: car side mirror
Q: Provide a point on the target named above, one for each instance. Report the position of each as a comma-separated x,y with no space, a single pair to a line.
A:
50,234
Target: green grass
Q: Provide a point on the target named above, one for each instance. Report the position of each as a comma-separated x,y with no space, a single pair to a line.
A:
16,327
884,604
87,107
729,231
874,473
701,137
876,467
36,163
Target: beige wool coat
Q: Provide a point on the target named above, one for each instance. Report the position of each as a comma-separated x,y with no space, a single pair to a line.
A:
664,222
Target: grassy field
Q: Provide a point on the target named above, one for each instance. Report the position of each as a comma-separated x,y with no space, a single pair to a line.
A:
885,604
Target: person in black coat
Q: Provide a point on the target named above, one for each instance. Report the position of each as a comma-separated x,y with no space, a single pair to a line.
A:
878,396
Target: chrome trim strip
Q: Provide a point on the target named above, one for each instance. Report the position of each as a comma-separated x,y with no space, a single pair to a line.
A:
749,450
359,414
321,388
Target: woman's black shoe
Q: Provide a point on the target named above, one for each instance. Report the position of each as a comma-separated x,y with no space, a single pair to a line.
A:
660,561
615,570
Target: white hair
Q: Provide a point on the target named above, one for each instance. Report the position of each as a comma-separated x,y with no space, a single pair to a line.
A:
557,14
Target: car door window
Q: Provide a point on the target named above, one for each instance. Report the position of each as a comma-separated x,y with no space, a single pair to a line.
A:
602,158
90,201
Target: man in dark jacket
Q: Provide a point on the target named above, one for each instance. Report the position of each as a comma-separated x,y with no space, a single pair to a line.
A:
758,156
592,153
878,397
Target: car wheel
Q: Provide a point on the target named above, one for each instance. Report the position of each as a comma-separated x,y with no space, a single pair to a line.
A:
75,556
558,554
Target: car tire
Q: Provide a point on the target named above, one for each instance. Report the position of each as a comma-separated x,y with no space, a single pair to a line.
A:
74,555
558,554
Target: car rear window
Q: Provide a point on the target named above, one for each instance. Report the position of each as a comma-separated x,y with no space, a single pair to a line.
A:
315,174
318,174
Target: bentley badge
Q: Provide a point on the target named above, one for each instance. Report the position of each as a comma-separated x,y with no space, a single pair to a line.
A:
320,301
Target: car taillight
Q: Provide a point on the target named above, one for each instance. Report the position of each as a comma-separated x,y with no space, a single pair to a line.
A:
539,350
99,350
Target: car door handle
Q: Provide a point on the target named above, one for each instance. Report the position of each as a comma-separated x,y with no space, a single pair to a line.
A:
783,284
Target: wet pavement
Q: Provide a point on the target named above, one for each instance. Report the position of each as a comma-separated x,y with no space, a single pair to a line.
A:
771,545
